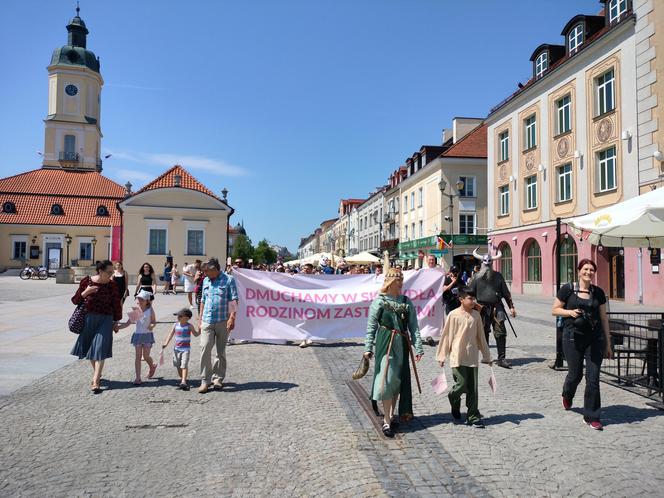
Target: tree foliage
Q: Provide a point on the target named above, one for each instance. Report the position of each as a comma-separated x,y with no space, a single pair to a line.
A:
242,248
264,253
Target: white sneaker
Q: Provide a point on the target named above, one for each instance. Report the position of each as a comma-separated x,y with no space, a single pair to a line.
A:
306,343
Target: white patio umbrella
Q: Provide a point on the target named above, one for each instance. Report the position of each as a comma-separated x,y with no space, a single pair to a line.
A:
363,258
636,222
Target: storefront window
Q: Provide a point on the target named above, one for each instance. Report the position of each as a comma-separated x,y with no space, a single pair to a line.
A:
534,262
568,261
506,261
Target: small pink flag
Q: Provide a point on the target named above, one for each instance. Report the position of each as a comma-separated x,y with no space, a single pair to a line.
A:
161,358
439,383
492,382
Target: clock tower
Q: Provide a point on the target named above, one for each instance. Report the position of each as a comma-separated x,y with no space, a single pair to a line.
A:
72,129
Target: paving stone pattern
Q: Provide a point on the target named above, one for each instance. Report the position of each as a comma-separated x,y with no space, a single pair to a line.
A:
287,424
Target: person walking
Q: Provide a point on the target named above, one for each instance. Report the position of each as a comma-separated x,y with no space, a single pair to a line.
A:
104,311
146,280
219,301
393,326
166,277
582,306
189,273
121,279
462,339
143,338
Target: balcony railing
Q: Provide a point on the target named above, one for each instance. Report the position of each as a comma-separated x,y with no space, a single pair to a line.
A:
68,156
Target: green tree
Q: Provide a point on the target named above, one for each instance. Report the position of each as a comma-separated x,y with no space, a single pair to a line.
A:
242,249
264,253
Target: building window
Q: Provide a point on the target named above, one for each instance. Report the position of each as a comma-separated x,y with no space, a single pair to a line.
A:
195,242
85,250
616,9
505,261
9,207
504,194
568,260
421,231
564,114
412,201
467,223
530,127
412,230
405,203
534,263
605,92
405,232
531,192
504,139
19,247
157,241
102,211
564,182
396,204
575,38
468,189
607,169
56,210
541,64
420,197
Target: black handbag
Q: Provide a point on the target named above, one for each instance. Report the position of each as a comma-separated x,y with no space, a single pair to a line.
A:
77,319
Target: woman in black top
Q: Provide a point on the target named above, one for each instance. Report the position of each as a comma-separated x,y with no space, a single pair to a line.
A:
585,336
146,280
120,279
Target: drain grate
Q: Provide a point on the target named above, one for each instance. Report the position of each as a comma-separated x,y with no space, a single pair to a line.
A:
156,426
362,397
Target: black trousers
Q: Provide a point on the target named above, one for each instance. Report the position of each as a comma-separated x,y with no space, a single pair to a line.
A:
577,348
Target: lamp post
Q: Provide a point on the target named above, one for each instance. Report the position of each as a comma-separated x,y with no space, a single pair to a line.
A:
442,185
94,243
351,234
68,241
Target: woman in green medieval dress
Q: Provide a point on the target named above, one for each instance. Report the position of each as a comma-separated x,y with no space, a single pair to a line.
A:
393,327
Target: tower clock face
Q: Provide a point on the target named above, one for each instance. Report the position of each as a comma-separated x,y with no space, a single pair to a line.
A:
71,90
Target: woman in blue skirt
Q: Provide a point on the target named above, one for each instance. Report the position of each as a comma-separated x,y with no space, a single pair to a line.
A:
104,310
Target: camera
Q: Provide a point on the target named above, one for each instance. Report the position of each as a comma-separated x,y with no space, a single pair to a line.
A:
585,321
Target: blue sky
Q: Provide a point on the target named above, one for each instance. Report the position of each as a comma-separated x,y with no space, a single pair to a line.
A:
291,105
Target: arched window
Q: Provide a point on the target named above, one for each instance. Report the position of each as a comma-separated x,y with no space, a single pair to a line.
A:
534,263
56,209
575,39
9,207
568,260
541,64
102,211
616,9
506,261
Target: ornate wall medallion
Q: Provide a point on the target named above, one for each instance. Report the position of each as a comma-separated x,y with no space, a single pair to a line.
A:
604,130
530,161
503,172
563,147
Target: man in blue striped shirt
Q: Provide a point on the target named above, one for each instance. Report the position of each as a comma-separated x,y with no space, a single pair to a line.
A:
216,320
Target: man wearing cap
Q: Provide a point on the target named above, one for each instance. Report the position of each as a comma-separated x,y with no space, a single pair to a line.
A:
216,317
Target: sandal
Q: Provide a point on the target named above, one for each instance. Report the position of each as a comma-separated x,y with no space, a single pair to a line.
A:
152,370
387,431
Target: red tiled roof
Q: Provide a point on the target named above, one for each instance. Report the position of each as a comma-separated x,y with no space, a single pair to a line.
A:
167,180
62,182
79,193
35,209
474,144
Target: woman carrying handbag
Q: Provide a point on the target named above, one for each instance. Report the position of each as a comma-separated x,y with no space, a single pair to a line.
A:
103,307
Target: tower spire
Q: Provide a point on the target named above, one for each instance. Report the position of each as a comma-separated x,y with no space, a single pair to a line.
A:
78,9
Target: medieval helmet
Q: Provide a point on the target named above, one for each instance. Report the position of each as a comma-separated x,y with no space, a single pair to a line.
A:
487,258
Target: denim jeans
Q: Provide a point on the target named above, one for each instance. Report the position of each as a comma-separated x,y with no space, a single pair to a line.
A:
577,348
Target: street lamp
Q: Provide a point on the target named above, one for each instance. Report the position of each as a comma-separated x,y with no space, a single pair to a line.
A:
68,241
442,185
94,243
351,234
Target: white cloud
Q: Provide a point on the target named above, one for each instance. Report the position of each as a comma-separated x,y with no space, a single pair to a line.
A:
199,163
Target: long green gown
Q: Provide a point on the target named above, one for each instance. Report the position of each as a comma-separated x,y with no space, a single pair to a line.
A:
386,314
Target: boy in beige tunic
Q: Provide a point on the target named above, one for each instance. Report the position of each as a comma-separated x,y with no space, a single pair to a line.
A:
461,341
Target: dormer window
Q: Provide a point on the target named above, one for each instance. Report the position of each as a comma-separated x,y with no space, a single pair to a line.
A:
102,211
616,9
9,207
575,39
541,64
56,210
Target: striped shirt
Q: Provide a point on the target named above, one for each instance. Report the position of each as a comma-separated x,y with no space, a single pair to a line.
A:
215,297
182,337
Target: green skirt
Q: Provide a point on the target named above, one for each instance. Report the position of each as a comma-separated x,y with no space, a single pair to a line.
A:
396,380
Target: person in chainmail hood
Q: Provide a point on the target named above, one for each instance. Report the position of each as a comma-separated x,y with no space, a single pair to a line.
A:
489,288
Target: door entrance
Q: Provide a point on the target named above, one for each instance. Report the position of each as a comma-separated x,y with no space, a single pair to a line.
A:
53,256
616,273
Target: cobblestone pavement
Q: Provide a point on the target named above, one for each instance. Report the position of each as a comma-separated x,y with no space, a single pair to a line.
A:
288,424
